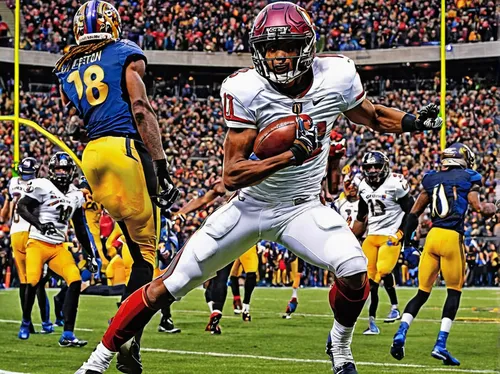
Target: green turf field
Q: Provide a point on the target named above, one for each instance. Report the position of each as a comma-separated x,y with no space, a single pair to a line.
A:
268,344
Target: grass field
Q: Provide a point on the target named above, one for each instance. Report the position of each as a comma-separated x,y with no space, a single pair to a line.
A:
268,344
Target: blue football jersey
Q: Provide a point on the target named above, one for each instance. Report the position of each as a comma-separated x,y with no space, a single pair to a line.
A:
448,192
95,85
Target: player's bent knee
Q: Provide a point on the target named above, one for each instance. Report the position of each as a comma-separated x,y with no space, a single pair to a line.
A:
156,294
352,267
355,281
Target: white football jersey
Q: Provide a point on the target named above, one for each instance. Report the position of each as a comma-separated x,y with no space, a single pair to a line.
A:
347,209
384,212
55,207
16,192
250,101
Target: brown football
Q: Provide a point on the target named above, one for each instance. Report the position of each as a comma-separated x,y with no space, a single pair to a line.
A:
278,136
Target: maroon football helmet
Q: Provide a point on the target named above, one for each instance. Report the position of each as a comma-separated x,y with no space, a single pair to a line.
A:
283,21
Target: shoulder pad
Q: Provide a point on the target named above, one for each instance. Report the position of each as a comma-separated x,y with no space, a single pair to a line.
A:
474,175
243,84
340,68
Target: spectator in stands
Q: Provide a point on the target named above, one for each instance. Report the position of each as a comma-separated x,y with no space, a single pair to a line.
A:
225,25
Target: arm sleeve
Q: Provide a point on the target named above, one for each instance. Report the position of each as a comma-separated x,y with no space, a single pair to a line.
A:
362,210
410,226
236,115
82,232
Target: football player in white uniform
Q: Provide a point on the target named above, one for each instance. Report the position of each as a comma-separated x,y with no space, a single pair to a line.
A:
19,230
347,205
48,205
278,197
385,200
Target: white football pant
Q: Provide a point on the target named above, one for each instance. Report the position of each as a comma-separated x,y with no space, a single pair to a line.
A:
312,231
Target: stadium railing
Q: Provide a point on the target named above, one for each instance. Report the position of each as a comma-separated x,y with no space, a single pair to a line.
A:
221,59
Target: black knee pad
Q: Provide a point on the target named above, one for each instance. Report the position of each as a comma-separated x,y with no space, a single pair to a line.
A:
451,304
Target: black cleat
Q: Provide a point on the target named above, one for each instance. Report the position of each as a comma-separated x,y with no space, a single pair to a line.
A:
128,360
167,325
246,316
213,324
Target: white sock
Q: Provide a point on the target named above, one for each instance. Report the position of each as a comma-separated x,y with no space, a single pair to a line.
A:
408,318
446,324
216,311
294,293
100,358
211,306
246,308
341,343
395,306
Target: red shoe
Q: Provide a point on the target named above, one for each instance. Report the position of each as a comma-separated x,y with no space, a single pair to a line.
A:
213,324
237,306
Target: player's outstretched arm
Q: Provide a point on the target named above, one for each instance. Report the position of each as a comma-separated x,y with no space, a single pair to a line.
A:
211,195
241,172
7,209
486,209
359,226
411,221
144,115
383,119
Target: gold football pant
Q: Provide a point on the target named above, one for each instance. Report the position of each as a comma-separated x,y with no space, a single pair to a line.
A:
19,240
121,175
382,258
247,262
443,250
58,258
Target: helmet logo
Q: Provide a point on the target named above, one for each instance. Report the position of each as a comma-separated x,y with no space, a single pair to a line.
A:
278,30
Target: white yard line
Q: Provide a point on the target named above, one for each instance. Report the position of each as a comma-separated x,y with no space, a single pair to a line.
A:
17,323
472,320
10,372
304,360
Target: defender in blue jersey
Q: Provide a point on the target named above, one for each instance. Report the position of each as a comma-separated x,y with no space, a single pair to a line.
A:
449,193
124,161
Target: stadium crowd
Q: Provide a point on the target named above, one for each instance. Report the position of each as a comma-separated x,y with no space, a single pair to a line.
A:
193,134
224,25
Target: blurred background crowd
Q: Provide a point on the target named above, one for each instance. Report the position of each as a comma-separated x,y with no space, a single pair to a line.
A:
193,132
199,25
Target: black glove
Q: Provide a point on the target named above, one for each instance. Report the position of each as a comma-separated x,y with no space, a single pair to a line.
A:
168,193
47,228
306,141
428,118
91,264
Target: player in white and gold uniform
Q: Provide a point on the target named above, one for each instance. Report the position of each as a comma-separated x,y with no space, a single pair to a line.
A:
278,197
19,230
48,205
385,200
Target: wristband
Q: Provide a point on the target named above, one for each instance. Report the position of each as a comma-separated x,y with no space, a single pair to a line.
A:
409,123
298,154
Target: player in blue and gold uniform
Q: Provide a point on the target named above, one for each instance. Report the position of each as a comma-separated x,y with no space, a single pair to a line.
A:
449,193
124,161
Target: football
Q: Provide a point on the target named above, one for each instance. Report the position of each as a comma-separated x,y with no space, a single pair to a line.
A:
278,136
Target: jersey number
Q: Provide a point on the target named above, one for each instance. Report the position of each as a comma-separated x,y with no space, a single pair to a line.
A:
440,205
92,79
64,214
377,207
